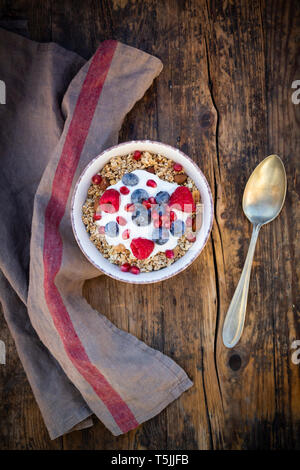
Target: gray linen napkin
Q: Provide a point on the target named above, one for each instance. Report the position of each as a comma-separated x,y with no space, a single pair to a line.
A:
60,112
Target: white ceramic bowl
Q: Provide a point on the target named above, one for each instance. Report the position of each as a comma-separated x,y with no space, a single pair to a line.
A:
79,197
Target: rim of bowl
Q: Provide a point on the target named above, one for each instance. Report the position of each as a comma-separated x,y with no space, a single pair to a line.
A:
197,253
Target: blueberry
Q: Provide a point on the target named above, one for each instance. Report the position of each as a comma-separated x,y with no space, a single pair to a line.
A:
160,236
162,197
130,179
177,228
139,195
112,229
141,216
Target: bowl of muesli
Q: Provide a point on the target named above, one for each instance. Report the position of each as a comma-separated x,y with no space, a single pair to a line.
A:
142,211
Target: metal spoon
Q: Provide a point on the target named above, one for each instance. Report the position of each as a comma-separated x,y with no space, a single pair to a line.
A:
263,199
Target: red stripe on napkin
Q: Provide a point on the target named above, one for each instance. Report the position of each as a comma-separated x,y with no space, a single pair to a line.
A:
53,246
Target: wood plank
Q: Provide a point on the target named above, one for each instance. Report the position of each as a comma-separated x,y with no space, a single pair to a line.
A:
245,42
188,120
224,98
22,426
283,67
183,101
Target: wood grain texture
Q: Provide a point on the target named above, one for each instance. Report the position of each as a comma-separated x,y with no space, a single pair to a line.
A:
224,98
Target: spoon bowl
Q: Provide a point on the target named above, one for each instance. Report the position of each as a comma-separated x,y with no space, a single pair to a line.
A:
265,191
263,199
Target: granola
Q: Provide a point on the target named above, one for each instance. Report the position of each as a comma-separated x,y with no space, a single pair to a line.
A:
111,174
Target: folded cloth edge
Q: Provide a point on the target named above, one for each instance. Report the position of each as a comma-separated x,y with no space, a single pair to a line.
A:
84,413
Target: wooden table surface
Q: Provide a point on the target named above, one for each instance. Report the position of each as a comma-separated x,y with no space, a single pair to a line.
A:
224,98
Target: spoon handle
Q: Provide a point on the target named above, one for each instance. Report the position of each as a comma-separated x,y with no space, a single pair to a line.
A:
235,318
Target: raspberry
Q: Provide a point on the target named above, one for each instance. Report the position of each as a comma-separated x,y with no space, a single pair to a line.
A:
97,179
169,254
129,207
125,267
177,167
97,217
182,199
124,190
134,270
110,201
121,220
141,247
151,183
126,234
137,155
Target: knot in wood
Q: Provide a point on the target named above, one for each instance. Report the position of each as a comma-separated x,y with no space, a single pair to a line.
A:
207,119
235,362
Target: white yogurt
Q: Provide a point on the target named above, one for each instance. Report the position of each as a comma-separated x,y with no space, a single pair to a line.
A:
135,231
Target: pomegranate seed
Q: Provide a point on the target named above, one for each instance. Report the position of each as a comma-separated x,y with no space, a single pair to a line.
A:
169,254
134,270
146,204
97,179
137,155
129,207
152,200
189,222
121,220
101,229
126,234
155,215
177,167
97,217
151,183
191,237
173,216
125,267
124,190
